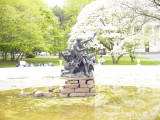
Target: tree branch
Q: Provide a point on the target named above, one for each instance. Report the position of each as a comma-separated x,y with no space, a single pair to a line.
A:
156,2
102,21
136,10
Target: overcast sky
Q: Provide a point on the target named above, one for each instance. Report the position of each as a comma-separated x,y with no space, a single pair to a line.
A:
52,3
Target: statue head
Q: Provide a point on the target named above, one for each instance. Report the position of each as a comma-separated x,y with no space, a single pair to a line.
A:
79,39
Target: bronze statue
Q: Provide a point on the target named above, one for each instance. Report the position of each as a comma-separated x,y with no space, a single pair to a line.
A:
78,64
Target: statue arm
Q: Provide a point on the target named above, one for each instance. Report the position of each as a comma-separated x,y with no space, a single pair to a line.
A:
79,50
89,38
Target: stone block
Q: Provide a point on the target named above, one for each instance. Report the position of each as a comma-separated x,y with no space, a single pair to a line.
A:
26,94
77,95
91,85
90,81
38,94
63,95
50,89
90,94
66,82
92,90
83,85
82,90
82,82
54,91
67,90
71,85
73,81
47,94
61,89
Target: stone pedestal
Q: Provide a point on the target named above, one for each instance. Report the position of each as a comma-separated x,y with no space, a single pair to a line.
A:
78,87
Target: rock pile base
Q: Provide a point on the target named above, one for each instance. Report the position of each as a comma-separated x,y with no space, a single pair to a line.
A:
78,87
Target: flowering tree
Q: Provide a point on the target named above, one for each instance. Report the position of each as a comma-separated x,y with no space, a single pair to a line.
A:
132,44
113,23
147,8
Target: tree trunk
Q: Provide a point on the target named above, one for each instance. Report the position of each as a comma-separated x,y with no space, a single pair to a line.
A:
12,56
54,52
60,55
21,56
132,59
93,50
5,56
119,58
114,60
147,47
18,57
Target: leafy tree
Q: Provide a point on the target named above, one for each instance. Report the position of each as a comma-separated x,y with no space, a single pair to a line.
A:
67,17
24,27
72,8
60,41
53,31
61,15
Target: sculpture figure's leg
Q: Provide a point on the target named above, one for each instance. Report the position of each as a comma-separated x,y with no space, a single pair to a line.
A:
72,67
86,67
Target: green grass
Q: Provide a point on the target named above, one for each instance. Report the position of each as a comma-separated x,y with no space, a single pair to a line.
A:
55,61
8,63
123,58
123,61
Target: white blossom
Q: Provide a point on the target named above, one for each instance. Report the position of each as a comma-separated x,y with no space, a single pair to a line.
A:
105,17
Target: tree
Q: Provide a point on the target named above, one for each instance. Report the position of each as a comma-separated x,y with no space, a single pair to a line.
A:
149,8
67,16
72,9
53,32
133,43
61,15
113,23
24,27
60,42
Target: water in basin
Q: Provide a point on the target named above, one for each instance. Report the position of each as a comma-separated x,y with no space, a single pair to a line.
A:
110,103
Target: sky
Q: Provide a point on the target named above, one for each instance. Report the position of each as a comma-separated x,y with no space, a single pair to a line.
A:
52,3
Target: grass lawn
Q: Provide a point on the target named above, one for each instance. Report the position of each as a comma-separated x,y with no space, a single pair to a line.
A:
123,61
126,58
8,63
55,61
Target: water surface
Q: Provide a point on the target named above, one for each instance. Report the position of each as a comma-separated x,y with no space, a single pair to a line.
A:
110,103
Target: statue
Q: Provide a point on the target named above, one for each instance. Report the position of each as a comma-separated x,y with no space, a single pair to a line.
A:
78,64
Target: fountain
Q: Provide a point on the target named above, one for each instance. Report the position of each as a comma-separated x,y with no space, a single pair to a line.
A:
78,71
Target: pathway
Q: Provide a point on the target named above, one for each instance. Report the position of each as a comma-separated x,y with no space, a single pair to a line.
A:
119,75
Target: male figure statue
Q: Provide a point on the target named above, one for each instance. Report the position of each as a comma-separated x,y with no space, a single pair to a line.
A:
79,50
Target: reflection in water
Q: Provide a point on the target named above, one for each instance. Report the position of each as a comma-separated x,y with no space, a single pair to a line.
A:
110,102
